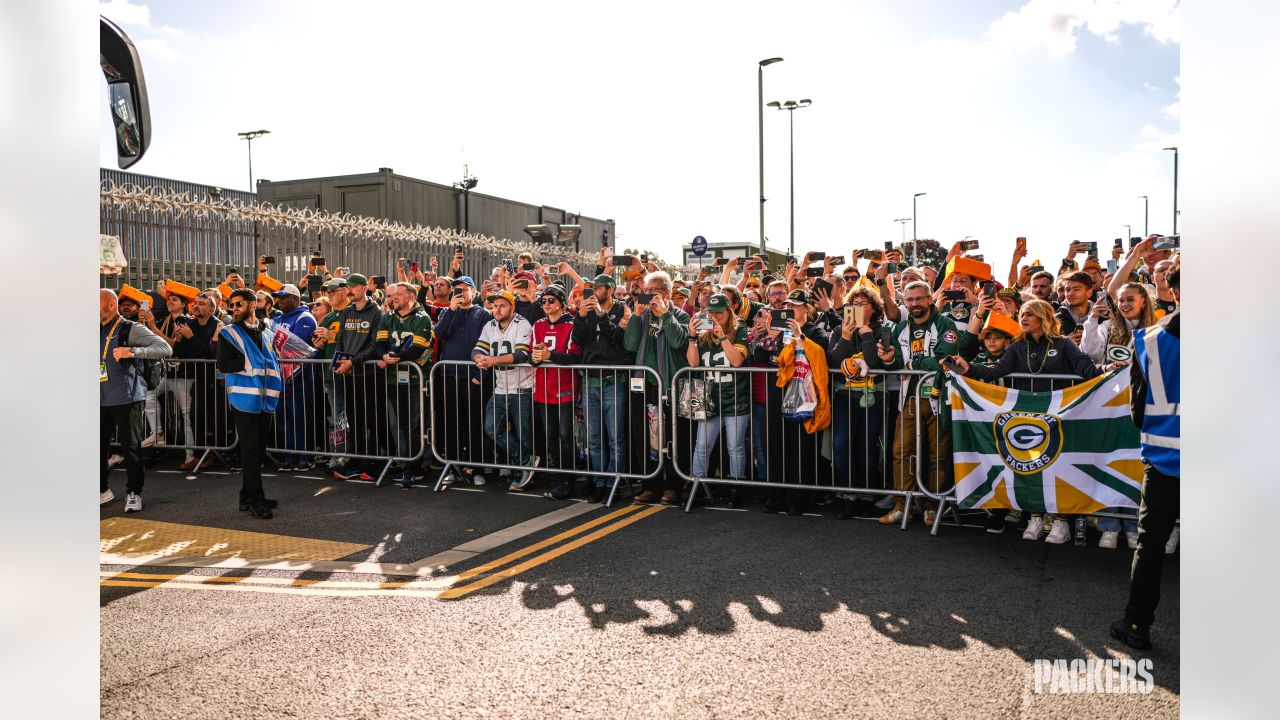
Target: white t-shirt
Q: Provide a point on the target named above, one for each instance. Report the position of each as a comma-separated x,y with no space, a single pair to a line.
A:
494,341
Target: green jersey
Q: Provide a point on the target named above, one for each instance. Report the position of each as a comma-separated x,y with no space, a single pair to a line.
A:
413,332
729,392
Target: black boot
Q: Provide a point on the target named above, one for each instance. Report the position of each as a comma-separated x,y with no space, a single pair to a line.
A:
1131,634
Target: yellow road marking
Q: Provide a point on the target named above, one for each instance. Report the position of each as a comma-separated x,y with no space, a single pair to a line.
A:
121,579
457,592
152,537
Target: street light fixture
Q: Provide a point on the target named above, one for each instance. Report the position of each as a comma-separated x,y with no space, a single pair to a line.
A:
249,137
760,109
1128,231
903,223
1175,188
465,186
915,239
1146,212
791,106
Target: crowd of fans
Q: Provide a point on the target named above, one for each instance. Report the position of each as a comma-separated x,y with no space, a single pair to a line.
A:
506,400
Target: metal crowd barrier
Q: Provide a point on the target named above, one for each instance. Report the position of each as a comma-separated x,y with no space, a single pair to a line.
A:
576,424
188,411
373,414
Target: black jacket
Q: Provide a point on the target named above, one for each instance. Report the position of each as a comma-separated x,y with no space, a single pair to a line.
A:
1064,358
600,337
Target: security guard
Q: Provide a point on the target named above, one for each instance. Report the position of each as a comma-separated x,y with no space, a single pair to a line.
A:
1155,394
246,356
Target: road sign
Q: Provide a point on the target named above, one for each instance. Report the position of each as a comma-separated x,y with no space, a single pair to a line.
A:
699,247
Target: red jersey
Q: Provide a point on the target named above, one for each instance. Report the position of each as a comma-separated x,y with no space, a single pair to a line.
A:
553,386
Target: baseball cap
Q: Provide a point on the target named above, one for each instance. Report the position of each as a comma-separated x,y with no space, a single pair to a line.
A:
525,275
683,290
798,297
288,289
504,295
334,283
605,280
357,279
464,280
718,303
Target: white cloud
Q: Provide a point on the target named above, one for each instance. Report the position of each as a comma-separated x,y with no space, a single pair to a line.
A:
1053,24
151,40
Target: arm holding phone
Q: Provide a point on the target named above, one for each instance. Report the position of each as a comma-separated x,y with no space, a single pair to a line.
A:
1136,253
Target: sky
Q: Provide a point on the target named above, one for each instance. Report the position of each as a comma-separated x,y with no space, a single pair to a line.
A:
1039,118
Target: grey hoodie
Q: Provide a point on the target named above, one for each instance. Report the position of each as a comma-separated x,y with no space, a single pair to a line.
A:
124,384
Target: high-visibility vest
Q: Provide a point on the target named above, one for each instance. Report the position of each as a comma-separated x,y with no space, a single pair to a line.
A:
1157,352
256,388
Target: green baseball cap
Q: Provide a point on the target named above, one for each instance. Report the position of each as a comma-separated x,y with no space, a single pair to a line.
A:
357,279
605,280
718,303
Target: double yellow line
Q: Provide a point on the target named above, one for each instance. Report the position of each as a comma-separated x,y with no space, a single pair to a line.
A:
443,588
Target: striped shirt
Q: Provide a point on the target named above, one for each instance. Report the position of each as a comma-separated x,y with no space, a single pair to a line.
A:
515,340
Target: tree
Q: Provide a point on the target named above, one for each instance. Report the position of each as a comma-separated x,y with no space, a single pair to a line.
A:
931,253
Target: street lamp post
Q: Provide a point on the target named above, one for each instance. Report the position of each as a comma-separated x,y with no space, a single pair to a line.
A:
1128,231
760,125
248,137
903,223
1146,208
1175,188
791,106
915,239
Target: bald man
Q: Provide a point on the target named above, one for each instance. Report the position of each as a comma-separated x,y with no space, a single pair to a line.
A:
122,392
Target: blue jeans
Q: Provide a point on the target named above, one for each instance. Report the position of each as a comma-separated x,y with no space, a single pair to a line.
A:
735,431
336,419
406,427
515,444
855,440
294,416
757,439
605,419
1109,524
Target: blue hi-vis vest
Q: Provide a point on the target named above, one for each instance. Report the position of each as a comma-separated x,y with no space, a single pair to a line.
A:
1157,355
256,389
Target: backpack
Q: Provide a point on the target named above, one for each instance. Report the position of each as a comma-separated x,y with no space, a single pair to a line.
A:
151,371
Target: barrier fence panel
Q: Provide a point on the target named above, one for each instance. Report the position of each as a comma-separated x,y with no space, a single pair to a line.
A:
565,420
188,411
359,421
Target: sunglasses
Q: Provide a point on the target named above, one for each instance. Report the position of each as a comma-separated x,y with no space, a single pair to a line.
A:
550,300
235,305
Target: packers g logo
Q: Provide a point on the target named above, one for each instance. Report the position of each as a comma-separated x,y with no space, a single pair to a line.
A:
1028,442
1119,353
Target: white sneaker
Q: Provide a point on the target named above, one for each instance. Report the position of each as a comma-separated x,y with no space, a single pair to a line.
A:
133,503
106,497
114,460
1132,539
478,479
1172,545
1109,539
1014,516
153,439
1059,533
1034,526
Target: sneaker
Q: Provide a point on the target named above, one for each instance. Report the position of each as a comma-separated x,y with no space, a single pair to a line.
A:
1130,634
406,480
995,523
284,467
1132,539
1172,545
478,480
1014,516
893,517
1034,526
133,503
525,476
448,480
562,491
1109,539
1059,533
106,497
929,516
598,494
152,439
307,466
114,460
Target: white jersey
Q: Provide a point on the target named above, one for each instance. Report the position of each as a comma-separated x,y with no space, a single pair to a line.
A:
515,340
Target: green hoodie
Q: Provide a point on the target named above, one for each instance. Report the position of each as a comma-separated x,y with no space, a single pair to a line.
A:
663,351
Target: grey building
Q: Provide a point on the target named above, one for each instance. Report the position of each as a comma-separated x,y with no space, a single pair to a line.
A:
385,194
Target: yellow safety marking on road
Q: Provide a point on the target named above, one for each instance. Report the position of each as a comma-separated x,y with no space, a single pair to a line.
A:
135,579
505,559
457,592
310,591
151,537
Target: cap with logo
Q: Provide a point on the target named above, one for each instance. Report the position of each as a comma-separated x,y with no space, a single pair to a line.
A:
288,289
463,280
605,280
335,283
718,303
504,295
798,297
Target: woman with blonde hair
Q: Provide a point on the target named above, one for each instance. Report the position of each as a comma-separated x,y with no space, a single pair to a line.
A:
718,340
1106,339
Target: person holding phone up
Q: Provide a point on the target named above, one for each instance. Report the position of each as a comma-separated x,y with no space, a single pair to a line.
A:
718,339
857,411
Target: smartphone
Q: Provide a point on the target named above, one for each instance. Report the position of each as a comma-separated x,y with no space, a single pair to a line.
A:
1119,243
888,247
317,261
1133,241
859,315
892,268
644,257
339,357
529,266
967,245
458,290
1111,304
947,361
817,255
706,325
551,270
1112,266
1167,242
1092,248
837,260
719,262
848,314
886,337
314,282
146,306
622,260
989,288
779,318
822,285
813,272
379,282
643,298
953,295
977,257
1035,269
1021,242
269,260
413,266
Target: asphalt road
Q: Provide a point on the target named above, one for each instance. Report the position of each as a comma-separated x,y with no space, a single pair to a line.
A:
708,614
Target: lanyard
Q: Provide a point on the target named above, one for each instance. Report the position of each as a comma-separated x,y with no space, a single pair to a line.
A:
107,344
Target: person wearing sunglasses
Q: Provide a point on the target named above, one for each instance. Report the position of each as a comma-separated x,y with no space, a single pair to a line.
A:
554,390
248,360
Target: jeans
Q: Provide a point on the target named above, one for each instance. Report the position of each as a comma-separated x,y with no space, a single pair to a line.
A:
757,440
1109,524
855,440
181,389
516,443
553,435
336,420
735,431
406,423
605,422
294,416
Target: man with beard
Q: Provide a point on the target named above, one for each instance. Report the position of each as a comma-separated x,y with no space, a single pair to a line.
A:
404,338
297,409
248,360
357,380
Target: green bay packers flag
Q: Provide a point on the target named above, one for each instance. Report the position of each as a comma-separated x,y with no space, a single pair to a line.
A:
1071,451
